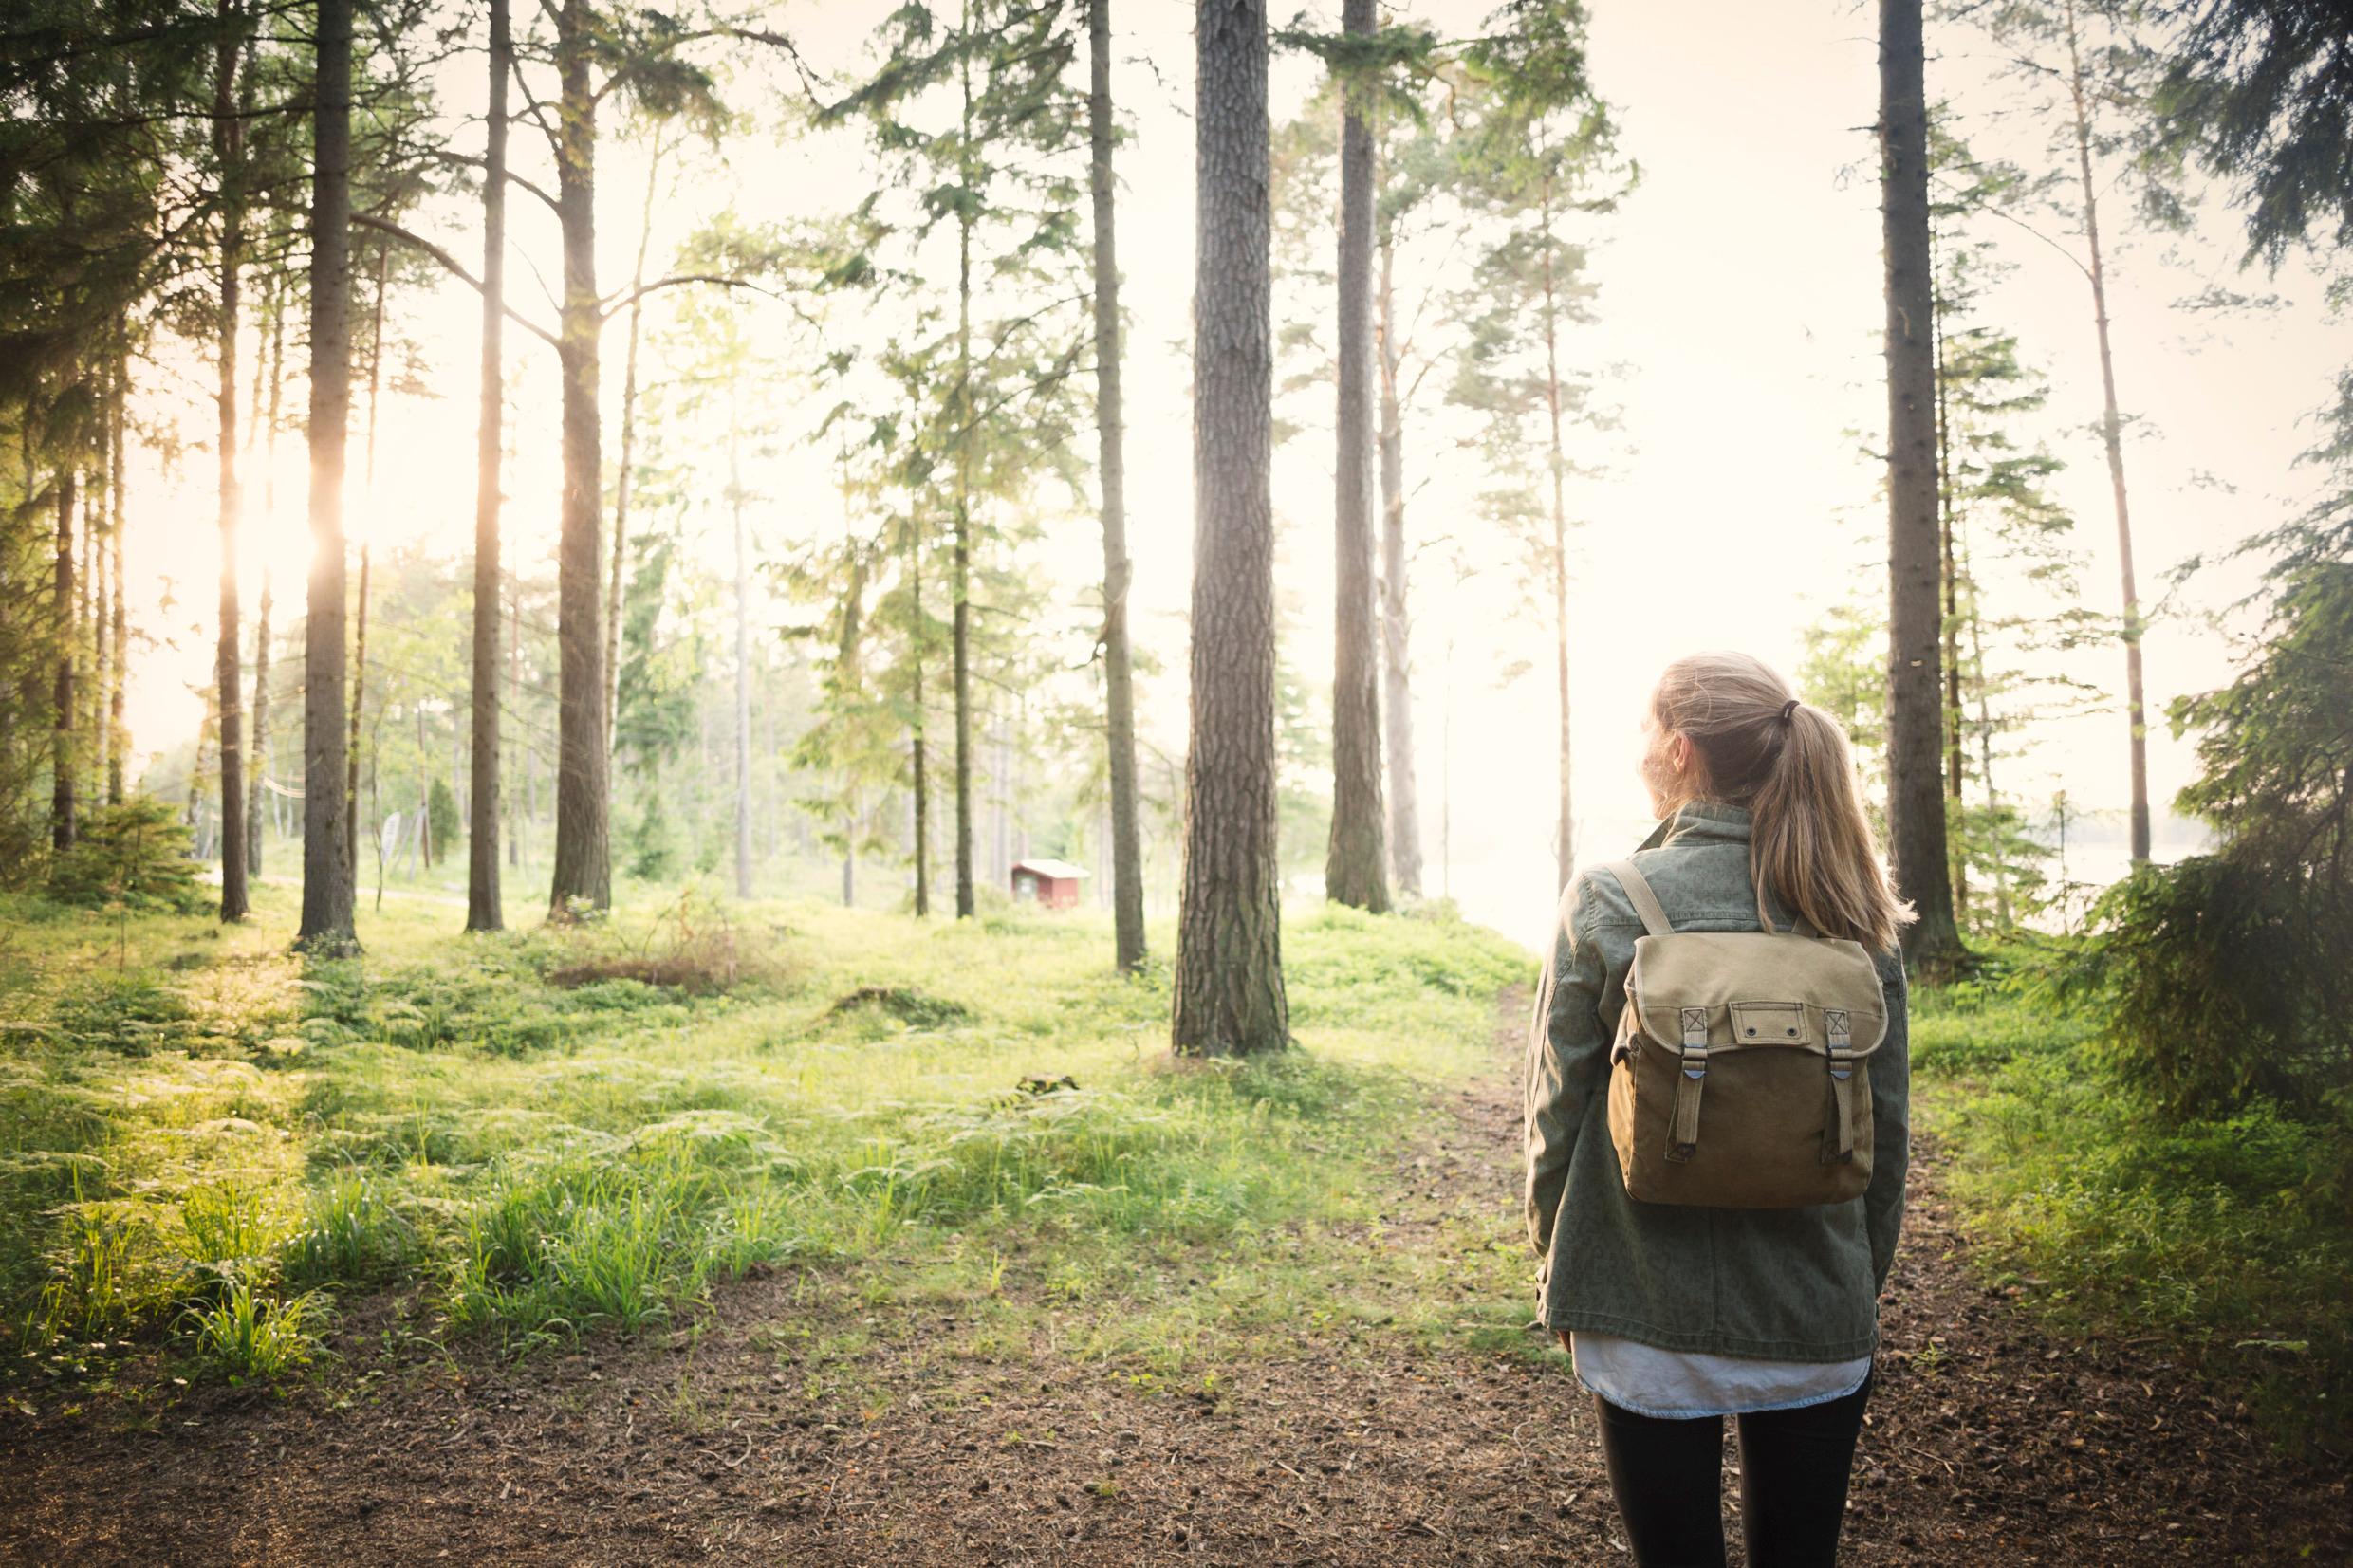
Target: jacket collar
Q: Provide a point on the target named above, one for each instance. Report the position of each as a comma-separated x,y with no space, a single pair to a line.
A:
1703,823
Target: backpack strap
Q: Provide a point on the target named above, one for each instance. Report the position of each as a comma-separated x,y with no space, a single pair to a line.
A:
1838,1138
1645,902
1691,1068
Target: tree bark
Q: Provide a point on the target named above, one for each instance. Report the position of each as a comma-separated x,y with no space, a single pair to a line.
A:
1356,860
1949,575
258,765
118,503
367,545
1565,848
514,700
94,548
583,870
254,818
961,631
1985,746
624,481
2112,437
485,898
1915,814
327,830
228,148
919,773
63,805
1127,871
742,657
1395,622
1228,980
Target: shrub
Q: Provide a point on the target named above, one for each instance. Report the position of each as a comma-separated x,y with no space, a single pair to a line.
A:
249,1334
130,857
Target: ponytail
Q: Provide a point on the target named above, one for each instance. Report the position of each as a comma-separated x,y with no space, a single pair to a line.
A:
1788,764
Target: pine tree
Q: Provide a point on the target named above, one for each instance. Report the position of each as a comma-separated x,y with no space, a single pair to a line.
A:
1543,154
229,108
1118,675
1915,801
2075,59
485,901
328,872
1230,998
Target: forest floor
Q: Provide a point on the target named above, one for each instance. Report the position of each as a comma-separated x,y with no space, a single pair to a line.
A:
732,1436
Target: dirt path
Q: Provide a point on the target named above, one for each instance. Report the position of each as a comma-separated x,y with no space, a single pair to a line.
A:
1987,1444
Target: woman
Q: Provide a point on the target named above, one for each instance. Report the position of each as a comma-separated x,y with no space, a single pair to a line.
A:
1679,1315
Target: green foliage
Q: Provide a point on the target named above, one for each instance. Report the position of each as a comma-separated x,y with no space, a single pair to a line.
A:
2228,973
2229,1233
130,856
134,1011
2006,1011
653,845
2264,90
900,1103
248,1334
2220,989
441,817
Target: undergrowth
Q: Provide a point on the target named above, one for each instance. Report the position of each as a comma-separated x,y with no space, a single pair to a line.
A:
2231,1235
582,1129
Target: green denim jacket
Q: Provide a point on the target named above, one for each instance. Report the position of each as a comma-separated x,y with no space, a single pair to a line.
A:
1790,1284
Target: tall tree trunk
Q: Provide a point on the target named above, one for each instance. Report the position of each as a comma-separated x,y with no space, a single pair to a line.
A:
255,820
367,545
514,701
848,656
742,657
200,831
97,542
1985,746
624,481
118,503
63,805
258,769
1228,982
1565,830
961,609
1446,782
584,867
327,830
85,630
1356,859
1127,870
2112,437
1947,524
1916,816
227,147
485,901
920,780
424,793
1395,622
850,853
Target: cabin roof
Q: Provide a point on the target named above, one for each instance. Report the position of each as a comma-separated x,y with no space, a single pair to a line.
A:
1059,871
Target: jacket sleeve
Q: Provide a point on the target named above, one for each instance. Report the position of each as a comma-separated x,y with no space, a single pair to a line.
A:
1891,1125
1566,1045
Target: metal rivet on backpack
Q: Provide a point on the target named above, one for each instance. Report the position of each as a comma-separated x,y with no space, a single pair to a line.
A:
1752,1031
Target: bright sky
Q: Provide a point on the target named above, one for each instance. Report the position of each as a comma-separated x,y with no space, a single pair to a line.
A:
1741,285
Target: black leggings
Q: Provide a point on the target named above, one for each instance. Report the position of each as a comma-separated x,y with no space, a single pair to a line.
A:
1666,1475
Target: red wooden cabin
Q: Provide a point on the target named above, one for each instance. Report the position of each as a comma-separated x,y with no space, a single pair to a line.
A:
1052,883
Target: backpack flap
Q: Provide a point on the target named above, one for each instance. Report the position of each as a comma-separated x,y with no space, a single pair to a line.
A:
1748,990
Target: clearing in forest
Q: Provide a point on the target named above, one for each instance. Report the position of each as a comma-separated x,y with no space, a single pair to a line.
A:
821,1236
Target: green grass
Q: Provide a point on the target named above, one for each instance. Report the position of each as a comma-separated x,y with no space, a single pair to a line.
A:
209,1140
2230,1237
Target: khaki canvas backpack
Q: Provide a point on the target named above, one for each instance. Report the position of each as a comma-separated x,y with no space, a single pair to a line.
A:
1741,1075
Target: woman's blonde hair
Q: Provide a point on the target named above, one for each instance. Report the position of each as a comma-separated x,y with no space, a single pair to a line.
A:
1788,764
